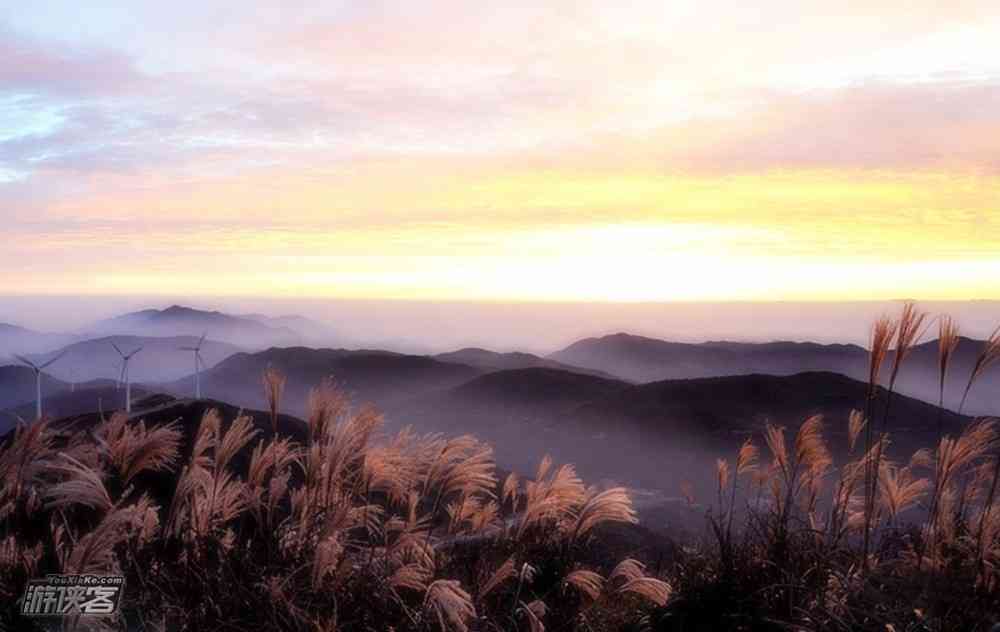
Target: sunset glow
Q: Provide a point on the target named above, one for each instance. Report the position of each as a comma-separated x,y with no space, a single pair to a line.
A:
450,151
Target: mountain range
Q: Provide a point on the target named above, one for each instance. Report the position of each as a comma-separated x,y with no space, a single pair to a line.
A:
642,359
16,339
618,406
496,361
379,377
177,320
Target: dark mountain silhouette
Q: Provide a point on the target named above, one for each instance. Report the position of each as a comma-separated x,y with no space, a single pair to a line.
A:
725,410
185,321
650,434
91,397
524,413
496,361
647,359
160,360
378,377
17,385
15,339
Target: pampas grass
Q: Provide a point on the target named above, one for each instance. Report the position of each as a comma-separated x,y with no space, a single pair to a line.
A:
655,590
988,355
451,604
585,582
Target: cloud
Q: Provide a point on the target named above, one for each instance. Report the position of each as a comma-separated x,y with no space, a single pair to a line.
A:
456,130
30,66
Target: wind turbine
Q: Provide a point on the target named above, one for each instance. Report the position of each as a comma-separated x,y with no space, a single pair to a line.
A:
198,364
38,379
124,375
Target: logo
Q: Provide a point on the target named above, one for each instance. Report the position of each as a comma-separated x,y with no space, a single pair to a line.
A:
65,595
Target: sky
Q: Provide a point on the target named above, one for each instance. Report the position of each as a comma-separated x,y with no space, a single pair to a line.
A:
576,151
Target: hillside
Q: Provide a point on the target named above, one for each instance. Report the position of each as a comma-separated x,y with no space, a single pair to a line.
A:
160,360
496,361
17,385
16,339
311,332
90,397
919,377
648,359
379,377
652,433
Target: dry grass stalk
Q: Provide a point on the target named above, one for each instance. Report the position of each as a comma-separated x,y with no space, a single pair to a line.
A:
273,381
586,582
451,604
627,570
948,339
133,449
687,493
82,485
855,424
411,576
502,574
655,590
534,612
552,499
989,354
612,505
900,489
510,491
721,476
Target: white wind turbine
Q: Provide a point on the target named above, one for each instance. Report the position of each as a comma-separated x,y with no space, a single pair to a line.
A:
198,364
38,379
124,375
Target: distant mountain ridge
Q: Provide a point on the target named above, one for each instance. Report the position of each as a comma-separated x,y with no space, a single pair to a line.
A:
493,360
310,331
160,360
17,339
178,320
643,359
371,376
648,359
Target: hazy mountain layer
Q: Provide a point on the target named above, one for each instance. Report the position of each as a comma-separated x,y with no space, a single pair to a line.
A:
185,321
160,360
647,359
495,361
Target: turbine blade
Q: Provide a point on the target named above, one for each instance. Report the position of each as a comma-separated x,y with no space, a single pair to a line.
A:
187,348
118,350
26,361
53,360
201,340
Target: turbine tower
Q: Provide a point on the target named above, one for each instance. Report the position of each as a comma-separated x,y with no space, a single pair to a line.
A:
198,364
124,375
38,379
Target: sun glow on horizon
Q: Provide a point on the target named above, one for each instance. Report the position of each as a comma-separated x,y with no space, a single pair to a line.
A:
610,155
